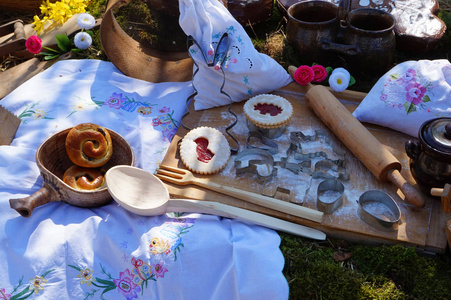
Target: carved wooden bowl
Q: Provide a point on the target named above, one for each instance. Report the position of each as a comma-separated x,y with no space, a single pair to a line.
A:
52,161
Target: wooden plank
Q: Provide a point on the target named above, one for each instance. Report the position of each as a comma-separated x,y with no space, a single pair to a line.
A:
8,126
420,227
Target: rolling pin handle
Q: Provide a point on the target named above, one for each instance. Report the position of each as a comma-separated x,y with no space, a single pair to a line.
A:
412,194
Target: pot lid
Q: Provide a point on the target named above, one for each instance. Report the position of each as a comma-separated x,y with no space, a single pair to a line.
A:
436,134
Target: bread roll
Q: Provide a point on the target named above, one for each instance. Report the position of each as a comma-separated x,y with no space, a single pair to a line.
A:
89,145
81,178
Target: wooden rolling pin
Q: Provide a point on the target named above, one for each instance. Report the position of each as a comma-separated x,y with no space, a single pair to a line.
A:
358,139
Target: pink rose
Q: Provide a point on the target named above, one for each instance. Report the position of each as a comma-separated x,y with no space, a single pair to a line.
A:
304,75
34,44
415,92
320,73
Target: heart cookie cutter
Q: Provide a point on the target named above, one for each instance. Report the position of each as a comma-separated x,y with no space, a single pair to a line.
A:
385,220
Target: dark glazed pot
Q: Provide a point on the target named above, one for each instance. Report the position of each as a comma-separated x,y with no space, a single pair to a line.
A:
310,24
371,31
430,157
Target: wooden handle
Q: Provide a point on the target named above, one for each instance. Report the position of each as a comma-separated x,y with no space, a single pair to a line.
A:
25,206
265,201
219,209
19,31
412,194
445,196
358,139
437,192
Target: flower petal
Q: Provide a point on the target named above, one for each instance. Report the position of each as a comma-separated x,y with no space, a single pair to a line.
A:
339,81
82,40
86,21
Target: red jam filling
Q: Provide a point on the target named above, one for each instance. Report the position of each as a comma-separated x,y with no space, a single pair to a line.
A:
266,108
203,154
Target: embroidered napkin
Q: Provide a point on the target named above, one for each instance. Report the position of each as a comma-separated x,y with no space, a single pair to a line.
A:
409,94
66,252
247,72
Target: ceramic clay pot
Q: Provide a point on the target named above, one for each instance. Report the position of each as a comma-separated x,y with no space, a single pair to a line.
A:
430,156
371,32
310,24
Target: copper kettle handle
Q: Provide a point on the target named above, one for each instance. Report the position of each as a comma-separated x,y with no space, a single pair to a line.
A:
25,206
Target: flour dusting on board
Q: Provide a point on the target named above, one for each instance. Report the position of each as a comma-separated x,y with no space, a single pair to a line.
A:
302,186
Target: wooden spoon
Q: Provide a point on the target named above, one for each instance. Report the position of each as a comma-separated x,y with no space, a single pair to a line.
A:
144,194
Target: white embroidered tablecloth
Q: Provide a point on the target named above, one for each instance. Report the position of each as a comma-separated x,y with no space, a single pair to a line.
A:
66,252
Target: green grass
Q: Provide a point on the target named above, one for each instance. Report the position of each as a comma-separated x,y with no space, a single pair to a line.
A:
370,272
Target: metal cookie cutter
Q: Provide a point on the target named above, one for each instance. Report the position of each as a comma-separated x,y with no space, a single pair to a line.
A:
271,146
322,166
257,158
270,133
378,209
329,196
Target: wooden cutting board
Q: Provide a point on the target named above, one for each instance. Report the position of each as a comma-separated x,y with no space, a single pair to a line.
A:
423,228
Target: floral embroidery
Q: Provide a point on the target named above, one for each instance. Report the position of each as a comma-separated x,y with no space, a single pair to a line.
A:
160,269
33,112
115,101
166,124
126,286
38,283
4,295
410,87
85,276
35,285
134,279
82,105
164,121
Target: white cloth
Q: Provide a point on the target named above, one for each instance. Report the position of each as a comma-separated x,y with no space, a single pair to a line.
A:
409,94
66,252
247,72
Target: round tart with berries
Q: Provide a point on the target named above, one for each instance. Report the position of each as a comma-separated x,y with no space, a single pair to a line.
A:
204,150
